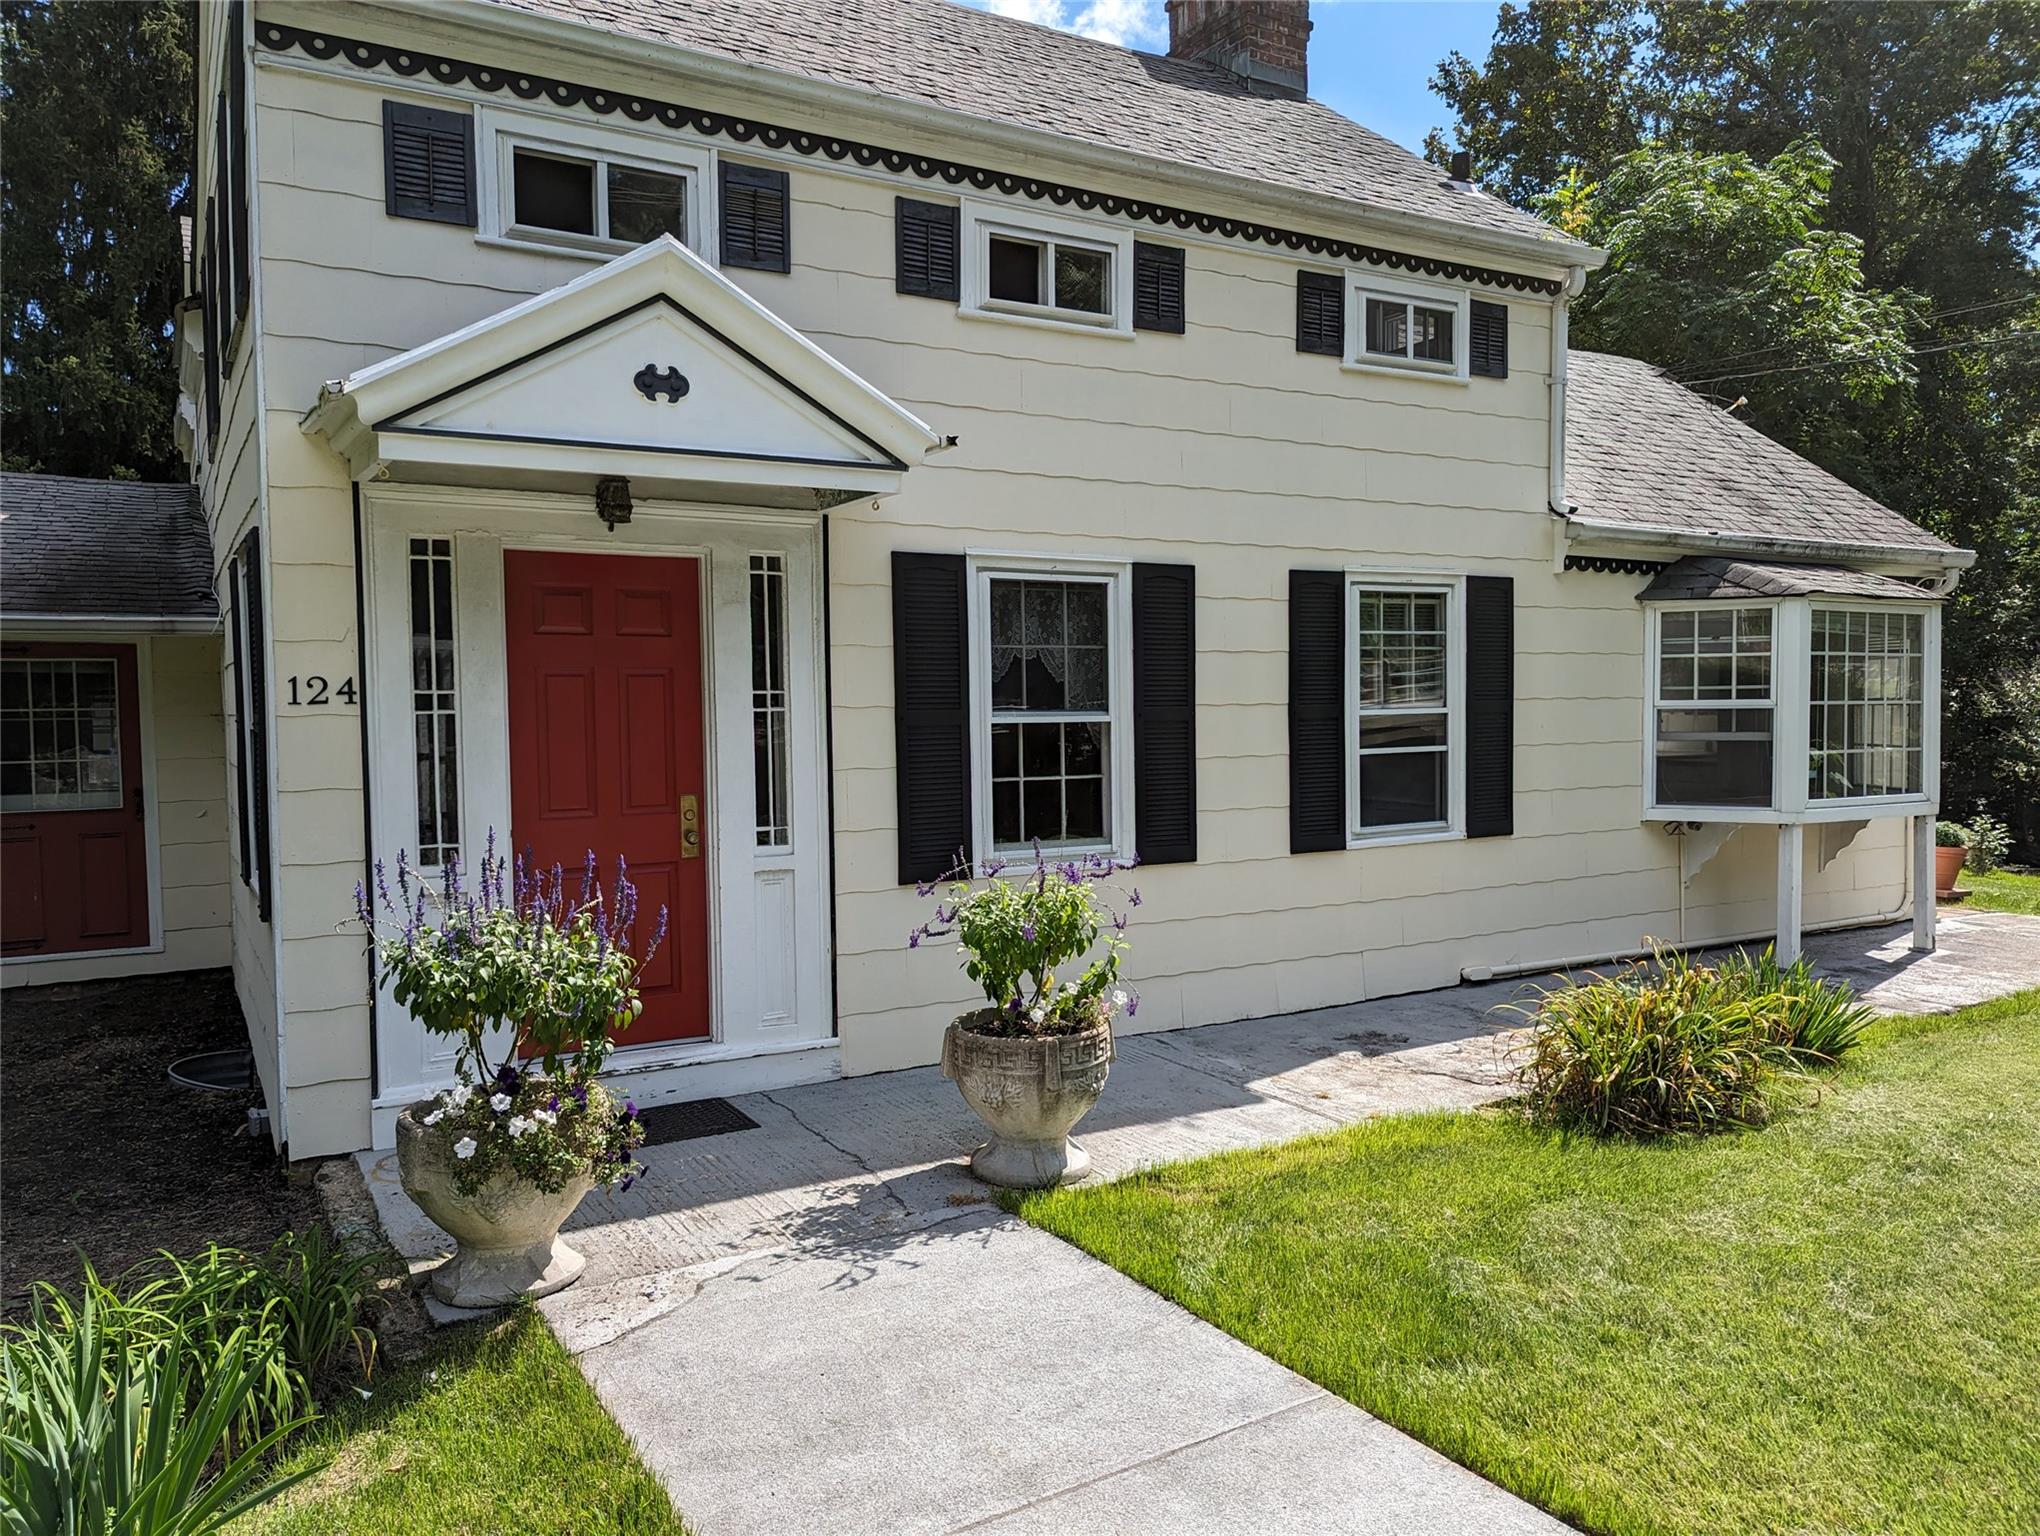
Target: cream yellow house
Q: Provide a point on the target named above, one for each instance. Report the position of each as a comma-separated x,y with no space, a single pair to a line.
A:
793,443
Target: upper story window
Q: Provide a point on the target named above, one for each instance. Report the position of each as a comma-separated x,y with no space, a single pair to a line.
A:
1042,268
571,186
1867,694
1403,701
1420,329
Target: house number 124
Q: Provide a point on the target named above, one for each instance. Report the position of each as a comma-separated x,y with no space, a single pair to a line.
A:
315,689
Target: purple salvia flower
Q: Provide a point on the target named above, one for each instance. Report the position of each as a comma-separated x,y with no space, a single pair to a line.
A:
1027,932
630,1109
913,938
1119,922
588,878
1133,897
382,887
1132,1004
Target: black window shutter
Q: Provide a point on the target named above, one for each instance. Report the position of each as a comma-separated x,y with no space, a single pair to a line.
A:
237,153
237,613
1490,706
931,712
1488,340
1321,313
428,163
230,238
755,218
209,319
258,718
926,241
1317,711
1158,287
1165,713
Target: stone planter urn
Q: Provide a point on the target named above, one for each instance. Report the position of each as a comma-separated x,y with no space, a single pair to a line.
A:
1948,864
508,1231
1030,1093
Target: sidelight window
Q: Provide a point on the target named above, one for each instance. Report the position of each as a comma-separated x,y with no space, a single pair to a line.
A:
769,702
434,695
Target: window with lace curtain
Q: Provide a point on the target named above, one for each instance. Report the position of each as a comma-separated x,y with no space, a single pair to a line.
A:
1049,646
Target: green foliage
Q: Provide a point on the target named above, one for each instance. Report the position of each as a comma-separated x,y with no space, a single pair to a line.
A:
1930,114
95,110
1990,843
1016,934
2002,890
1672,1047
546,1130
1950,834
104,1434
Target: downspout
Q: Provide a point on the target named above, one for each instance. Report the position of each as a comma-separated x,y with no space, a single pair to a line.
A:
1575,280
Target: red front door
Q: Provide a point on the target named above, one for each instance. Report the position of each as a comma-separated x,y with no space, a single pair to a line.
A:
74,868
604,659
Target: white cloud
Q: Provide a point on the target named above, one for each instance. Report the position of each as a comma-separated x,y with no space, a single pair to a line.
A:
1129,23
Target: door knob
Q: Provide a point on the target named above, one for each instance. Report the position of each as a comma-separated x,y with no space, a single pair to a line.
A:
690,826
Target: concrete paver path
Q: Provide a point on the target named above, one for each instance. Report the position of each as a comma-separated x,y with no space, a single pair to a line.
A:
823,1325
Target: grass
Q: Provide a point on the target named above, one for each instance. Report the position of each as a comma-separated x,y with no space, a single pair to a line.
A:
495,1433
2002,891
1825,1326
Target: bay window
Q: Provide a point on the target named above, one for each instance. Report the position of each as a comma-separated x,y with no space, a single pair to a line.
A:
1867,696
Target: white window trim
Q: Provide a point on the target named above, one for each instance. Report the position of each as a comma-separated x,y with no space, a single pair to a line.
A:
1791,704
1117,577
983,220
1930,707
500,134
1362,286
1453,589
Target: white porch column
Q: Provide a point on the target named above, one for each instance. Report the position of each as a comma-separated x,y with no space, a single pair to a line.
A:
1791,886
1923,883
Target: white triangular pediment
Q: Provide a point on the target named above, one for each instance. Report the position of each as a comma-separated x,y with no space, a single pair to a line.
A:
655,379
654,367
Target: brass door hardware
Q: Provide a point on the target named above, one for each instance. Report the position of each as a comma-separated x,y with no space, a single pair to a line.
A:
690,826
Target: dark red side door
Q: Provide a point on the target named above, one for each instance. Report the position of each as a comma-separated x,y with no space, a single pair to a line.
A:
604,661
74,858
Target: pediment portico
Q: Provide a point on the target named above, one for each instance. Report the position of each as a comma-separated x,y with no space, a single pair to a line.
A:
655,368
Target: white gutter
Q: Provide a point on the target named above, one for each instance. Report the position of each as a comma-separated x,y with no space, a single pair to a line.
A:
555,36
1690,541
1561,324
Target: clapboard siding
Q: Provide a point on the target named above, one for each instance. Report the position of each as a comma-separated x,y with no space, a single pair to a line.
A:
1222,449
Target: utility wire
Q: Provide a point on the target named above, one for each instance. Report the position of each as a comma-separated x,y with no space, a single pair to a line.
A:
1939,314
1850,362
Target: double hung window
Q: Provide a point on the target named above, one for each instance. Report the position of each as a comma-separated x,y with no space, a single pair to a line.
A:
1714,707
1402,690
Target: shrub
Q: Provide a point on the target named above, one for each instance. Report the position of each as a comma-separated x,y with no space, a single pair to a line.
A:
1950,834
1669,1047
1990,843
102,1434
1015,934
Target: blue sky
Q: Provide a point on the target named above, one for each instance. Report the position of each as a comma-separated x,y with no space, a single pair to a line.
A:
1369,59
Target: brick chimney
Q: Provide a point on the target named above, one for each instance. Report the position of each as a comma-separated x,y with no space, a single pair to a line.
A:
1264,42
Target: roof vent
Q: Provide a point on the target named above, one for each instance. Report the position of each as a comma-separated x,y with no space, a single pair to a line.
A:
1264,42
1462,165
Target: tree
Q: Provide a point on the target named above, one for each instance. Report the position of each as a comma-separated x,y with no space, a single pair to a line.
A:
1929,118
96,104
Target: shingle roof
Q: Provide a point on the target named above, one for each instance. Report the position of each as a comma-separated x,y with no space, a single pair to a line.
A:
78,548
1715,576
1012,72
1643,451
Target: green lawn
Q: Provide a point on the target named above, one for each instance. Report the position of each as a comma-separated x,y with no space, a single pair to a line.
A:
1828,1326
2002,891
495,1433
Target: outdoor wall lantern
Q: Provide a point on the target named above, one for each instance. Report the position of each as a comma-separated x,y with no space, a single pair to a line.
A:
612,500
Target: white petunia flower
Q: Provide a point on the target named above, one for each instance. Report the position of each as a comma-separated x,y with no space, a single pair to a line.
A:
464,1148
518,1126
435,1117
544,1116
499,1102
1037,1015
459,1096
1069,989
1119,999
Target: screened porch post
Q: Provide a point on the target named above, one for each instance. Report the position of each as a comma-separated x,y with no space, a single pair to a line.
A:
1791,886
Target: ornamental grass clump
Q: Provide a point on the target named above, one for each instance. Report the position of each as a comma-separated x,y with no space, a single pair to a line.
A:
541,967
1021,937
1670,1047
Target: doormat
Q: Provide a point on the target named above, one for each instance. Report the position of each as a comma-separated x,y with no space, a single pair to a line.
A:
688,1122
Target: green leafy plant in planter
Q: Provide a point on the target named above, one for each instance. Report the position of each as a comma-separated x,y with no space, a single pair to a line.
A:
1950,834
539,966
1045,947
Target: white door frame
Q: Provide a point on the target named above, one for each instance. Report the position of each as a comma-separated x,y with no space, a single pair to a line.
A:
769,937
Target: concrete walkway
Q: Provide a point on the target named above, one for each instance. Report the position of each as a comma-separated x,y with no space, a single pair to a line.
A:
823,1325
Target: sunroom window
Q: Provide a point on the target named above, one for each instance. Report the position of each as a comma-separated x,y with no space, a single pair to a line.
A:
1867,693
1714,707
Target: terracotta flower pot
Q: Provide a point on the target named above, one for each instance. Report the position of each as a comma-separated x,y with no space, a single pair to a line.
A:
508,1231
1947,865
1030,1093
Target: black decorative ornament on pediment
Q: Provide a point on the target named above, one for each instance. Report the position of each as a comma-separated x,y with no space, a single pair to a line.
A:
1613,567
652,382
409,63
